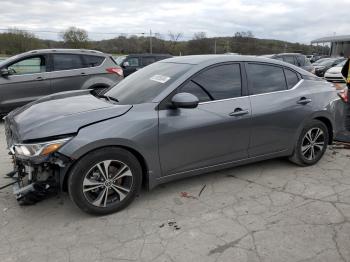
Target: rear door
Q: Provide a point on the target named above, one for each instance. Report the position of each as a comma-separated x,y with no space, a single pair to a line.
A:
276,110
215,132
28,82
68,72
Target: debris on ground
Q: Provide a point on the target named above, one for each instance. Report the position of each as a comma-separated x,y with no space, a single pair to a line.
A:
200,192
341,145
171,223
5,209
187,195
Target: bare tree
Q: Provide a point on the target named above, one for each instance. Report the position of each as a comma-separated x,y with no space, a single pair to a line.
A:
75,37
199,35
174,38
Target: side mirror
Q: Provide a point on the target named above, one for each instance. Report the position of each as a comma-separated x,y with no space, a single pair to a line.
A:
185,100
126,64
5,72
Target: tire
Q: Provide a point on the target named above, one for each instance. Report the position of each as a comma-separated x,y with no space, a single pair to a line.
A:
93,193
304,147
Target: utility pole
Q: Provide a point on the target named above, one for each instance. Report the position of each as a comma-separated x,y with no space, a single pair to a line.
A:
150,41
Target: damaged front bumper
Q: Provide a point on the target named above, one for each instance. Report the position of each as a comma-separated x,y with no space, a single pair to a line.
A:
36,178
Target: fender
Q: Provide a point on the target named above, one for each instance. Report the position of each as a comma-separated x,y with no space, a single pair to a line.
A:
324,114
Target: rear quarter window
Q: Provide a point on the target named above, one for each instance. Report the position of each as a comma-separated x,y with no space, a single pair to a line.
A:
291,77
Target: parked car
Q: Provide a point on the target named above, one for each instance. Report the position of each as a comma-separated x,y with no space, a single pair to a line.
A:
132,63
315,58
322,67
176,118
296,59
321,60
334,73
32,75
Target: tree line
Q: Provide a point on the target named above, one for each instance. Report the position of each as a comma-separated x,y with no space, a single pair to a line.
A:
16,41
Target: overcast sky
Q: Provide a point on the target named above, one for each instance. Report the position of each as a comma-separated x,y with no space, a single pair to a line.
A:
291,20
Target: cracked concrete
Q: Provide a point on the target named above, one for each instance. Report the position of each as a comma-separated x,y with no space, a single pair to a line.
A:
264,212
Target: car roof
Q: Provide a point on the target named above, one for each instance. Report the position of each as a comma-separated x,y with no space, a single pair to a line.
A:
207,60
65,50
145,54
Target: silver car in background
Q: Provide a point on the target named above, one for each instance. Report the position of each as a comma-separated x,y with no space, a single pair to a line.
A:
38,73
173,119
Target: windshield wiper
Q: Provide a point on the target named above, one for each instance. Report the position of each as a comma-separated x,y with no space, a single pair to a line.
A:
109,98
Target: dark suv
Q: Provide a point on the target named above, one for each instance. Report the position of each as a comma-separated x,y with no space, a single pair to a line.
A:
32,75
134,62
296,59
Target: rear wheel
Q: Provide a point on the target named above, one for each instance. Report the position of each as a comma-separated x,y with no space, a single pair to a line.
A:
311,145
105,181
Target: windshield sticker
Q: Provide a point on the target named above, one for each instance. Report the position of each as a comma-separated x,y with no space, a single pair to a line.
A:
160,78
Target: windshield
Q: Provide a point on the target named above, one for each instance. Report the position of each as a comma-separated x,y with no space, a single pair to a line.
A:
341,64
144,85
321,61
328,62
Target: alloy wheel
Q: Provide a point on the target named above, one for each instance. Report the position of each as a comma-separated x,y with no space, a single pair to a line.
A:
313,144
107,182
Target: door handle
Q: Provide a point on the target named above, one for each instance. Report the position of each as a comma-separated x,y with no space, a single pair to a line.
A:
304,101
39,78
239,112
83,74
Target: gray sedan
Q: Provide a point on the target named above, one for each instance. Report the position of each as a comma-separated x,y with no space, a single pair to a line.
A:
176,118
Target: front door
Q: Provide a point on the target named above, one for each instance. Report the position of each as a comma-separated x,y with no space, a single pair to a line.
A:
215,132
27,82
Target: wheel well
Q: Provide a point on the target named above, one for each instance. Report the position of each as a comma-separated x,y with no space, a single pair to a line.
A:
329,126
139,157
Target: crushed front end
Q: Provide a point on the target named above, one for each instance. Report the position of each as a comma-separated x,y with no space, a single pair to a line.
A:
37,166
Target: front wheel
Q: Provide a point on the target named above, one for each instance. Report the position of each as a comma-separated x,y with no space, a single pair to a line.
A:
311,145
105,181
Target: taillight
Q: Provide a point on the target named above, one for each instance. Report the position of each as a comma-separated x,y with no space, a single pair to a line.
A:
115,70
344,95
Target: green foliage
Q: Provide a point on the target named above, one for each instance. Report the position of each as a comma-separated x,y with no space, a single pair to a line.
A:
16,41
75,38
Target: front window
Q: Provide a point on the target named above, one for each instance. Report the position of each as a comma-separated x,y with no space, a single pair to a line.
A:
144,85
30,65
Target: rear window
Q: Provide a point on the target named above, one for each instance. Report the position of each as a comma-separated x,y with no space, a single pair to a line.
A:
92,60
289,59
265,78
66,62
147,83
148,60
301,60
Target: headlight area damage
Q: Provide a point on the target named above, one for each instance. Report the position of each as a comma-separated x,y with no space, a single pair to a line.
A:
37,169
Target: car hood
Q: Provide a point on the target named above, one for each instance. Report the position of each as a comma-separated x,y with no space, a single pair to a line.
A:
61,114
335,70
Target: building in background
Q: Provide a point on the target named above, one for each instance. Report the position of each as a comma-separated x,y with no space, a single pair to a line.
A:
339,45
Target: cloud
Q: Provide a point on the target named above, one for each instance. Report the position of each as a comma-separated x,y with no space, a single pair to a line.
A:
291,20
